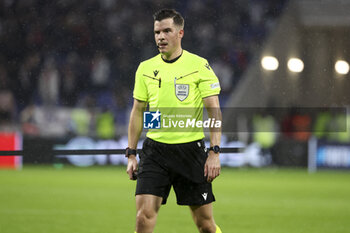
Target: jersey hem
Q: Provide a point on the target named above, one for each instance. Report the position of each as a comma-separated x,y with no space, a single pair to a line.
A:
141,99
166,142
211,94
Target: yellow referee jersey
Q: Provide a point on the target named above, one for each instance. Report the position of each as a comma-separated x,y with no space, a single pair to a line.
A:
175,86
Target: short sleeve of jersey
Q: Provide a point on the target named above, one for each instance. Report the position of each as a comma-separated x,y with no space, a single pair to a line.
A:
208,82
140,88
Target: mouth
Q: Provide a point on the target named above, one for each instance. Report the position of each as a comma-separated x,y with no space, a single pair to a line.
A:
162,45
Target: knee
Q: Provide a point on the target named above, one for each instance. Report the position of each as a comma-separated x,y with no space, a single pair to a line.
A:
206,226
145,217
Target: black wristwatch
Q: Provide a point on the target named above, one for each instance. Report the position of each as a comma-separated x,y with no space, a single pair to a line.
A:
129,151
215,148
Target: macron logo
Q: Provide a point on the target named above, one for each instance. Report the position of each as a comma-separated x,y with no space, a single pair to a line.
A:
205,195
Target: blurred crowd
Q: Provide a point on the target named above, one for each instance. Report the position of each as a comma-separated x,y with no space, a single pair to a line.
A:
83,54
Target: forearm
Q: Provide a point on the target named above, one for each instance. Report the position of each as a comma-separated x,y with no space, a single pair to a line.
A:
212,165
215,133
214,112
135,127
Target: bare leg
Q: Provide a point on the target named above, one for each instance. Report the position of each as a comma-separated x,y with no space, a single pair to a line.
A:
147,207
203,218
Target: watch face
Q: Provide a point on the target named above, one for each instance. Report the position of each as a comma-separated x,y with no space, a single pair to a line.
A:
216,149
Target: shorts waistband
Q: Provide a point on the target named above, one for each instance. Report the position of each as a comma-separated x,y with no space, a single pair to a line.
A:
150,140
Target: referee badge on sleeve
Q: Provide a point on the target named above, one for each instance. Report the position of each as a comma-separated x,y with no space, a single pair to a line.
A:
181,91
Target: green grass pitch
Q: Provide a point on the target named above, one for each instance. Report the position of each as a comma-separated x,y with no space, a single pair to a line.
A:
42,199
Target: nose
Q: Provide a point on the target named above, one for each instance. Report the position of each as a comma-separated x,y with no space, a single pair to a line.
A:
160,36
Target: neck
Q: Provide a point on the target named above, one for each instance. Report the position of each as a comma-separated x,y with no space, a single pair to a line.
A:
171,56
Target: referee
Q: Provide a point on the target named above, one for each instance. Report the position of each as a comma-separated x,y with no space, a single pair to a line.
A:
174,79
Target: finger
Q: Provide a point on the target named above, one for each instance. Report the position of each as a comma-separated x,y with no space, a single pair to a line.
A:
130,174
214,174
209,179
217,172
210,174
129,171
134,172
205,170
134,167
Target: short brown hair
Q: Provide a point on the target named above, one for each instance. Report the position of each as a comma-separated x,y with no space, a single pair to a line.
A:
169,13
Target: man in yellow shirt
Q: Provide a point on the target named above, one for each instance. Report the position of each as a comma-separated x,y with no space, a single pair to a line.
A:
174,80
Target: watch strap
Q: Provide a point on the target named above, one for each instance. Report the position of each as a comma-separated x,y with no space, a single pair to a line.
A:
215,148
129,151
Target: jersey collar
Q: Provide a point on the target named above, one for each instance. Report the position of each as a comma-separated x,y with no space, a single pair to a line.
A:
173,60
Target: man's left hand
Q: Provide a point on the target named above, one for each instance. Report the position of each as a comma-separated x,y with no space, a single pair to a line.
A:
212,166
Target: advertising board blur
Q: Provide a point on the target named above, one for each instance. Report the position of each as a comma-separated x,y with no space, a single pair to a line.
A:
333,155
10,141
250,156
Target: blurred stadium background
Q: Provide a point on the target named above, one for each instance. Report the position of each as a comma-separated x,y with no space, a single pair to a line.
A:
66,79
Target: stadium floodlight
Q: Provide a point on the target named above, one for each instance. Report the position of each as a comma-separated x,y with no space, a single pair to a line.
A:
296,65
342,67
269,63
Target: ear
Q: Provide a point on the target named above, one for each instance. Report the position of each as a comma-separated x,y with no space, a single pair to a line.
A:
181,33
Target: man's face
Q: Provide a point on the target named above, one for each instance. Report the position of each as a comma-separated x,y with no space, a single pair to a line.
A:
167,36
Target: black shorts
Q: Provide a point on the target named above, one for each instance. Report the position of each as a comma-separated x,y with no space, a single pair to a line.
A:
179,165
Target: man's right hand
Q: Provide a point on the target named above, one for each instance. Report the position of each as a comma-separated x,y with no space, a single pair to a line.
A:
132,167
